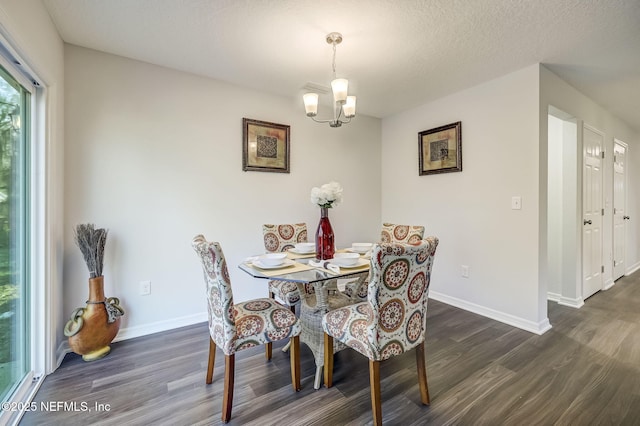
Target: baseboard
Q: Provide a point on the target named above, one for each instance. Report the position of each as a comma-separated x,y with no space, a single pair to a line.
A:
577,303
141,330
537,328
63,349
608,284
157,327
632,269
554,297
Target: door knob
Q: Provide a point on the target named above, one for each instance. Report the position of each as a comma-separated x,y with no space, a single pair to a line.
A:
625,217
587,222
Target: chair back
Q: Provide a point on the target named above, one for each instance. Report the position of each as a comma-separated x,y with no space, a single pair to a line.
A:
397,296
392,233
220,306
282,237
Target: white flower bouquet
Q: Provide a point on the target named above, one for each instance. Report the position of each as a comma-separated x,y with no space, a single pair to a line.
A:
328,195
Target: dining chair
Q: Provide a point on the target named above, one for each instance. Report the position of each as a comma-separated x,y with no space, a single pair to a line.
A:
393,319
390,233
237,326
279,238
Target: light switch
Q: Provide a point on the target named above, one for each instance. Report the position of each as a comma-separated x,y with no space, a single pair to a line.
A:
516,203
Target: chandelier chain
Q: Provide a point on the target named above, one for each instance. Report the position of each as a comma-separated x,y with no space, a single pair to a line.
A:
334,60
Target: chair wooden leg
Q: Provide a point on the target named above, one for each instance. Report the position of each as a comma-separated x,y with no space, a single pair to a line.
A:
422,374
328,360
374,382
227,398
295,362
212,360
268,349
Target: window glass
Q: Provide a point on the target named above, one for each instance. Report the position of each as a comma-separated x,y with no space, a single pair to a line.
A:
14,237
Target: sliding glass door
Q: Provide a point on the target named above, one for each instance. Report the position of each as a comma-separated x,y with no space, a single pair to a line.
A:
14,234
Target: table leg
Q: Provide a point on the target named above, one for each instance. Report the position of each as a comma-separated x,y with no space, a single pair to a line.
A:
314,306
318,380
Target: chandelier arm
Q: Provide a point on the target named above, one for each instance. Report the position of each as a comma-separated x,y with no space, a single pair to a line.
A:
337,112
321,121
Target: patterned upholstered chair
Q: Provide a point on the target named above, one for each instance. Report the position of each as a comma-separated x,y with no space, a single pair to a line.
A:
278,238
391,233
237,326
392,320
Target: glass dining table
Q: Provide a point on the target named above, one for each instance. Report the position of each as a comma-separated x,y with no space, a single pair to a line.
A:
319,293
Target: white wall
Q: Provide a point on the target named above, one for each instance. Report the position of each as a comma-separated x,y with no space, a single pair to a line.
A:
154,155
571,283
27,27
555,200
563,209
471,211
557,93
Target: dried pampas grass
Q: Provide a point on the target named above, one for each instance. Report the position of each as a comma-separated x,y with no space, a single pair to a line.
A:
91,242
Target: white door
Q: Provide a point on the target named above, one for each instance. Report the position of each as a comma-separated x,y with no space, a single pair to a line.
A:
592,264
619,208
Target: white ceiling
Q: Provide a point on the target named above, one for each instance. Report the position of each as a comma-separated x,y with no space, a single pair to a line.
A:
397,54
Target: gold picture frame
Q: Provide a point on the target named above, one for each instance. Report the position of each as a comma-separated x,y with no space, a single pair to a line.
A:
440,149
265,146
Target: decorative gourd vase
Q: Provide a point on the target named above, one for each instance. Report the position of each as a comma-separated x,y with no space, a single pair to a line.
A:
91,329
325,246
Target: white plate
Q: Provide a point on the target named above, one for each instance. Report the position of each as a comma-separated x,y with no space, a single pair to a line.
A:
295,250
359,263
357,251
285,264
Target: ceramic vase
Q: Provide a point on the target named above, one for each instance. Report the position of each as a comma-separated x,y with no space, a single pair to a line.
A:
92,328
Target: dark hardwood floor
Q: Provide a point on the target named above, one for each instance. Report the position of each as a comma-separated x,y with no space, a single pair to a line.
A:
584,371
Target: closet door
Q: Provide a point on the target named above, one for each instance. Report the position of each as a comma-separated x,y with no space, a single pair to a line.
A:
620,216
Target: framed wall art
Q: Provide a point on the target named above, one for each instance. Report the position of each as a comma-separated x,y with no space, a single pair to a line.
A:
265,146
440,149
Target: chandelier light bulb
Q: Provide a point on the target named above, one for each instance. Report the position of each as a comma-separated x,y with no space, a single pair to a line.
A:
349,108
311,104
340,87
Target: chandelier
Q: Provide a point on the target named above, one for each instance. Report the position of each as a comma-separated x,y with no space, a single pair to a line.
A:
344,106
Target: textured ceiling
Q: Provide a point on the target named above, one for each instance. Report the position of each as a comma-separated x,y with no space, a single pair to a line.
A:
396,53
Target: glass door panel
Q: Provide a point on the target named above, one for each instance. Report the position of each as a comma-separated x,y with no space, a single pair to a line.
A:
14,219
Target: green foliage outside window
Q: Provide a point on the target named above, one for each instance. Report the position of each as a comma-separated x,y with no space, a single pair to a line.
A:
9,290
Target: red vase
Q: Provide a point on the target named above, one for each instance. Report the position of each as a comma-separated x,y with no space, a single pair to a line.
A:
325,246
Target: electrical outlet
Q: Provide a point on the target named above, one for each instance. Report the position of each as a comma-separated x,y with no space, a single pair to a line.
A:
465,271
145,288
516,202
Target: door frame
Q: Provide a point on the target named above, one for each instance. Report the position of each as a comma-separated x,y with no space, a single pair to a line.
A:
568,291
625,146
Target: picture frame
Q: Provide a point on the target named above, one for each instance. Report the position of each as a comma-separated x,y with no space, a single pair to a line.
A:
440,149
265,146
